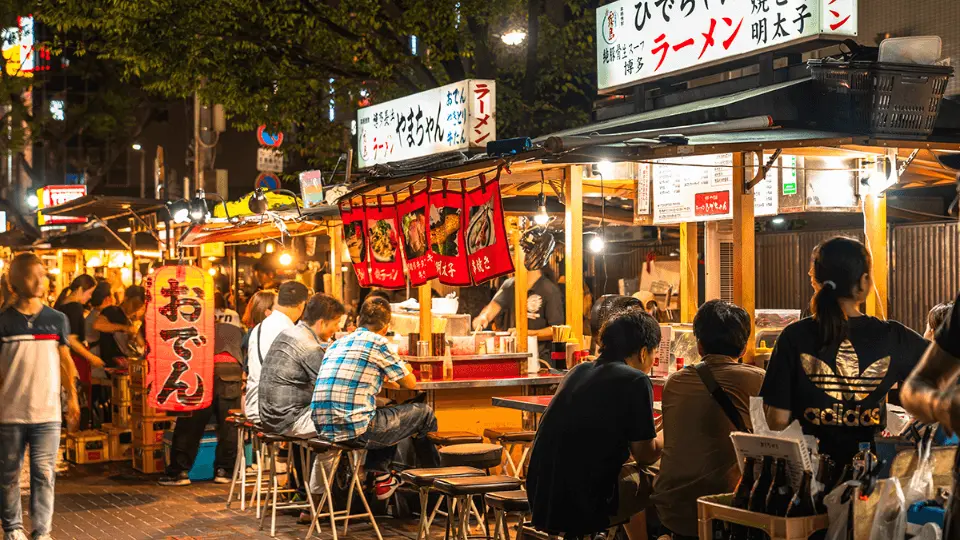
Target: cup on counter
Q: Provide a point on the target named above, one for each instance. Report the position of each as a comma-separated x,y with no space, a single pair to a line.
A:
558,355
426,370
571,356
439,341
423,348
508,344
413,340
533,360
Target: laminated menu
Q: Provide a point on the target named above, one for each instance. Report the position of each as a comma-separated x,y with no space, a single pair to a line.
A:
446,236
386,259
488,252
416,232
354,236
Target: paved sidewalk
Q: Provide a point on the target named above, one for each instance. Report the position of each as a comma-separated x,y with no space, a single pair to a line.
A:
113,502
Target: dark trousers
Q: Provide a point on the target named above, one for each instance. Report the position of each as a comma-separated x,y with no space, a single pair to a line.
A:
189,430
391,425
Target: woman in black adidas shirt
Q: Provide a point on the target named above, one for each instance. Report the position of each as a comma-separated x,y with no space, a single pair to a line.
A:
833,371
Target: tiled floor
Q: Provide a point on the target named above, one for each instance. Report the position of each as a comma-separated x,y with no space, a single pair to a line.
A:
113,502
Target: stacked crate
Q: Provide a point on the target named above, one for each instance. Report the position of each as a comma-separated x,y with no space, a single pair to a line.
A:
147,423
119,435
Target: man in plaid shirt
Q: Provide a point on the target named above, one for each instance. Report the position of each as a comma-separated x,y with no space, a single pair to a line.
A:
344,405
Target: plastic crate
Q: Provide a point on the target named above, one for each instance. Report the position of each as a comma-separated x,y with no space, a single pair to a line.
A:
884,99
121,414
140,405
138,370
89,446
121,389
149,431
120,442
148,459
716,507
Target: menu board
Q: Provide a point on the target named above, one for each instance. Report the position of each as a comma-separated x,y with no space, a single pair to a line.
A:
700,188
642,206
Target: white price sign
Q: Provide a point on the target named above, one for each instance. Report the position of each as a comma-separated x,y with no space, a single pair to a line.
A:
454,117
700,188
269,160
647,39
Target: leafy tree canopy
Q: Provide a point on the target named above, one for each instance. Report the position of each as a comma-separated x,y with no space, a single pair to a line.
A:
281,62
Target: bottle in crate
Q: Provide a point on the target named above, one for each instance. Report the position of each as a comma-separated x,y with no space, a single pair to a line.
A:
741,497
89,446
802,504
781,491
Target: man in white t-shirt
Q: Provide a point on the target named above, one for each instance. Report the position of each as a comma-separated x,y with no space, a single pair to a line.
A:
222,312
35,363
291,298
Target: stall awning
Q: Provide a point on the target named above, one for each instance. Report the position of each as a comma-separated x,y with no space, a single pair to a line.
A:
250,230
16,239
98,238
104,207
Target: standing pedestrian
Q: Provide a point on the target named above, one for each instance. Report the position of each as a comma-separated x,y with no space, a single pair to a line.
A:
35,364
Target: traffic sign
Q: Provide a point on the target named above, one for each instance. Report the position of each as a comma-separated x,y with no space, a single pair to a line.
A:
266,138
267,181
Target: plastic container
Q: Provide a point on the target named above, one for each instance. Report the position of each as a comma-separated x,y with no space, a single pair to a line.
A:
149,431
122,414
120,443
121,389
715,507
203,464
883,99
89,446
148,459
140,406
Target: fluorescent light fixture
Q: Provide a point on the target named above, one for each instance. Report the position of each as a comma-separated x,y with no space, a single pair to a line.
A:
779,220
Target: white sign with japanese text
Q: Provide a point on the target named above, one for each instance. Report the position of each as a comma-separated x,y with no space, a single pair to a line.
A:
647,39
700,188
269,160
457,116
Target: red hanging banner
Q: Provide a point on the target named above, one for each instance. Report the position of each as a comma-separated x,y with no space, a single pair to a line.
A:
488,251
421,265
354,236
386,259
179,330
446,236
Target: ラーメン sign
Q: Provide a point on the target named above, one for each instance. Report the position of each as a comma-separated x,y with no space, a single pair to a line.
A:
647,39
457,116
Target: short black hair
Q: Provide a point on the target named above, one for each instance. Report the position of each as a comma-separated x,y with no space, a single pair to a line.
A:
607,305
292,294
378,293
374,314
938,314
135,293
626,333
722,327
322,306
100,294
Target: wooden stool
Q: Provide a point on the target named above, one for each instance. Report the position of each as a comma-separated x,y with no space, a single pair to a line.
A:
505,503
356,453
450,438
511,439
460,491
479,455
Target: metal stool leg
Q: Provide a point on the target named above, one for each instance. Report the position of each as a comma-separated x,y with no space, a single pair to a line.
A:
360,455
305,459
423,531
326,497
354,466
237,466
262,457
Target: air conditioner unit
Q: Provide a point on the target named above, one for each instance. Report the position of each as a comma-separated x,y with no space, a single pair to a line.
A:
719,254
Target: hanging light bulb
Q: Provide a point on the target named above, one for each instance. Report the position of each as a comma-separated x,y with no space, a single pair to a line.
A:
286,259
541,218
596,243
212,271
179,211
270,247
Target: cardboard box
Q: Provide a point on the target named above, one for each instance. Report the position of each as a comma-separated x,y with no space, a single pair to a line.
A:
149,431
89,446
120,442
148,459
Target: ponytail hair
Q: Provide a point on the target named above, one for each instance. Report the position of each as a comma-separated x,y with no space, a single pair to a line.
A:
81,282
837,266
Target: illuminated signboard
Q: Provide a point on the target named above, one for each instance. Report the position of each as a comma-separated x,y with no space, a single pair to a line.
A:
17,46
51,196
645,40
454,117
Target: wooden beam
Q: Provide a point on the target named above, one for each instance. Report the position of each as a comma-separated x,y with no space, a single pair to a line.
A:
744,266
335,233
875,223
573,249
689,290
425,297
520,285
711,260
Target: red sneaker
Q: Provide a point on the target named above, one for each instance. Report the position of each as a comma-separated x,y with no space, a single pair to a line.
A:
386,485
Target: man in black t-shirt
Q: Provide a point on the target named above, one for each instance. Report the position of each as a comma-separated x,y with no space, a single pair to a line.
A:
601,415
116,327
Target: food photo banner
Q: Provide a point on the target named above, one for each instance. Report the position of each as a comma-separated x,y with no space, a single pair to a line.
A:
488,253
179,330
386,259
356,240
421,266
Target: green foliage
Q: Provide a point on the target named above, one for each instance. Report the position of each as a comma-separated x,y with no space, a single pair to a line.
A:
272,62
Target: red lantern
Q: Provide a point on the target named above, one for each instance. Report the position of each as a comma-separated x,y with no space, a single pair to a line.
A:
447,221
486,235
179,328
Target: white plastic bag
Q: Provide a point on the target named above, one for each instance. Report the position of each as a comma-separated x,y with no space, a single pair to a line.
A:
890,519
920,487
838,511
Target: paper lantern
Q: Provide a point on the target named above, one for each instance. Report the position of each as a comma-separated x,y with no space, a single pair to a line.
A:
179,330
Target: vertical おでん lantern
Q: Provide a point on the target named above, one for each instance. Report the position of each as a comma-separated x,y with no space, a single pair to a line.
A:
179,329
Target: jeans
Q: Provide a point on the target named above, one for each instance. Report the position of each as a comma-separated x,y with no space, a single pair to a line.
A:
189,430
44,441
391,425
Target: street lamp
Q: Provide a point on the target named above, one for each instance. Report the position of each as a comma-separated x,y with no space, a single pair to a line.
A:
33,201
143,169
513,37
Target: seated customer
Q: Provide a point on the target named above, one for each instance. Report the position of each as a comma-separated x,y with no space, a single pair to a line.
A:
354,370
578,481
289,371
935,319
698,456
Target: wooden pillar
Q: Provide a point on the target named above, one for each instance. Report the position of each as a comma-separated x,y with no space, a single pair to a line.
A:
573,249
875,223
425,297
689,290
744,267
335,232
520,288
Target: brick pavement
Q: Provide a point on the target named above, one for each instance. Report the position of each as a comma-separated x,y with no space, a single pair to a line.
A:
113,502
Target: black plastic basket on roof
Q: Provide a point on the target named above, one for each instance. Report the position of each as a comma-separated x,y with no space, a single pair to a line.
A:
881,99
